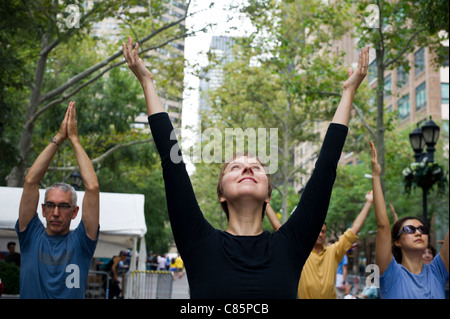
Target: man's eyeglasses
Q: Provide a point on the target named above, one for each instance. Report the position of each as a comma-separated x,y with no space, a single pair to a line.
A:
62,207
410,229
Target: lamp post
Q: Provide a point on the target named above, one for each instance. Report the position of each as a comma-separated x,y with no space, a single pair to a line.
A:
76,180
427,135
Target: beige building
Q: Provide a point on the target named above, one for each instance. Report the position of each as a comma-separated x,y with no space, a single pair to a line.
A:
413,95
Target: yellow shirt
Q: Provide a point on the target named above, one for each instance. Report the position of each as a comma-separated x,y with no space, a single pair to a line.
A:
179,262
318,276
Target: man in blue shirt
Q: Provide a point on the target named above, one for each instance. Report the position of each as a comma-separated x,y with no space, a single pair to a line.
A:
341,277
55,260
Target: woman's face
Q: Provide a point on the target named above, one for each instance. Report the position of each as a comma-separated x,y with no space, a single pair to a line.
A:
427,256
244,177
414,241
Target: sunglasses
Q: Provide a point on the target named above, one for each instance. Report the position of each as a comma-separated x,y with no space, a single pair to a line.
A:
410,229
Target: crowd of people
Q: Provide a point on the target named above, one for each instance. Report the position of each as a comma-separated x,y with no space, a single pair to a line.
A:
244,261
167,262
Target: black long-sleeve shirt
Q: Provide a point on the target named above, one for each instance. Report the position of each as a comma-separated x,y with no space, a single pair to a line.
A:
221,265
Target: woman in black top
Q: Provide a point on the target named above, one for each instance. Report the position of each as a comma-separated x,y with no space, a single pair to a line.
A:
247,261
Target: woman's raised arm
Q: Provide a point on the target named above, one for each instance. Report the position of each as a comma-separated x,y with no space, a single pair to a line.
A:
144,76
355,78
383,250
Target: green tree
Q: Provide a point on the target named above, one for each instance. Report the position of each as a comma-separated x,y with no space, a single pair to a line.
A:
283,76
394,30
49,60
65,59
434,15
351,185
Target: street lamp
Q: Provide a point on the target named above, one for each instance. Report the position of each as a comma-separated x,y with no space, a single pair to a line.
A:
417,142
76,180
428,134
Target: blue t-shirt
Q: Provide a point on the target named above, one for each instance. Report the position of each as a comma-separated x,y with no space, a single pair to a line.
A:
344,261
399,283
54,266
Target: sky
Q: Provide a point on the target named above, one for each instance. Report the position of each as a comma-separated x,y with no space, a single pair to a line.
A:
197,46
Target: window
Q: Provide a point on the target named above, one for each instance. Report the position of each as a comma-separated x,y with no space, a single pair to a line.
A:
419,61
444,93
372,71
421,96
402,77
445,126
387,86
403,107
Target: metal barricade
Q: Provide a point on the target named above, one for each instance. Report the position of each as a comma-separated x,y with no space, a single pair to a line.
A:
148,285
98,285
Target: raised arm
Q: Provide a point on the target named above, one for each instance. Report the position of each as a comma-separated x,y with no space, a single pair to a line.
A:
444,252
91,207
145,77
361,218
186,219
383,250
30,195
393,212
342,115
306,221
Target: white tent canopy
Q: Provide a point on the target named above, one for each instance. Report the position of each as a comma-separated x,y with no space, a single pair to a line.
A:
122,219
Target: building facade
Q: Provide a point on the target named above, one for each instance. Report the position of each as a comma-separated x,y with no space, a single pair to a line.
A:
413,95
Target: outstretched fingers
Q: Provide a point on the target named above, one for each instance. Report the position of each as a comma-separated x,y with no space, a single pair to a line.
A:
72,131
373,151
128,51
135,63
376,168
363,61
131,56
73,113
136,52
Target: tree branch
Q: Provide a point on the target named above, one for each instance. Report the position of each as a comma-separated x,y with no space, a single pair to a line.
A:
103,63
67,34
366,125
71,93
357,109
102,157
294,171
403,51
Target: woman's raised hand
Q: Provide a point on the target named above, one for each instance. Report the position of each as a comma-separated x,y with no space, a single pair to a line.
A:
356,77
72,129
135,63
376,168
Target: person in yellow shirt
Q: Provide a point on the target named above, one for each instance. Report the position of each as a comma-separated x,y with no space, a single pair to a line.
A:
317,280
318,277
180,265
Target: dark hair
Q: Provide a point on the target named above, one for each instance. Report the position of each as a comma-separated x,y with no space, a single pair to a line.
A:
433,250
222,173
396,251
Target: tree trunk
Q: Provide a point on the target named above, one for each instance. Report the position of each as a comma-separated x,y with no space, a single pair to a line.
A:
381,150
286,159
17,176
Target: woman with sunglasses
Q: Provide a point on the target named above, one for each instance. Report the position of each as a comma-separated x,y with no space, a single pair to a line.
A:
398,253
